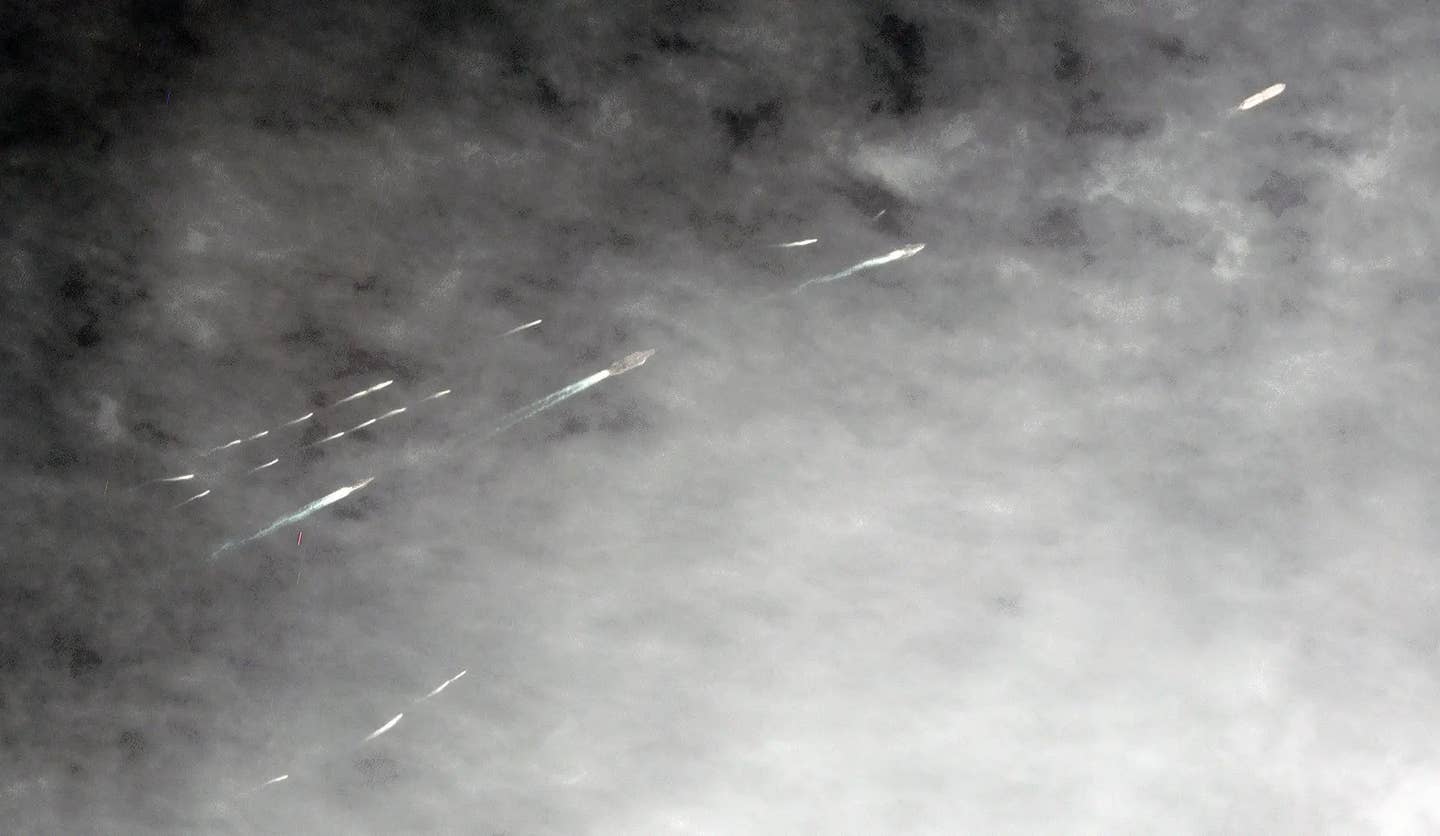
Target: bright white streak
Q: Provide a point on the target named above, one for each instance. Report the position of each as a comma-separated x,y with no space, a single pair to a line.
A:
362,425
391,413
801,243
323,502
169,479
387,727
277,779
442,393
548,401
520,328
894,255
265,465
260,434
363,392
306,417
226,446
200,495
446,684
1262,97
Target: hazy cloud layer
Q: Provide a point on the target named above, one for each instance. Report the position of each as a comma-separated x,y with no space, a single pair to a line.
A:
1109,511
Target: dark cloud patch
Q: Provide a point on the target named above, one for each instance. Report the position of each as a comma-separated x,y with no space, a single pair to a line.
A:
1059,227
1070,66
1091,115
1280,193
742,126
896,56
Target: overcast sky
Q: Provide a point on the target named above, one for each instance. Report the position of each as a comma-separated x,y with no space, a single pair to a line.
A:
1107,511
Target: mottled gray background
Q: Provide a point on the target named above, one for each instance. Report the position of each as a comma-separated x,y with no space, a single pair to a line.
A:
1109,512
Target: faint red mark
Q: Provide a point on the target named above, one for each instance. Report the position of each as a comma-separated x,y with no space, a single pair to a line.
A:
298,536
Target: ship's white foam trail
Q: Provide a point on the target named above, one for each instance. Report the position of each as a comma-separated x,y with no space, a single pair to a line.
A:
387,727
184,477
520,328
363,392
323,502
200,495
1262,97
894,255
527,412
446,684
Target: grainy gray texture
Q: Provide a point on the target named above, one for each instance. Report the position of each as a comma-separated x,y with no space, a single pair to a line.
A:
1110,511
